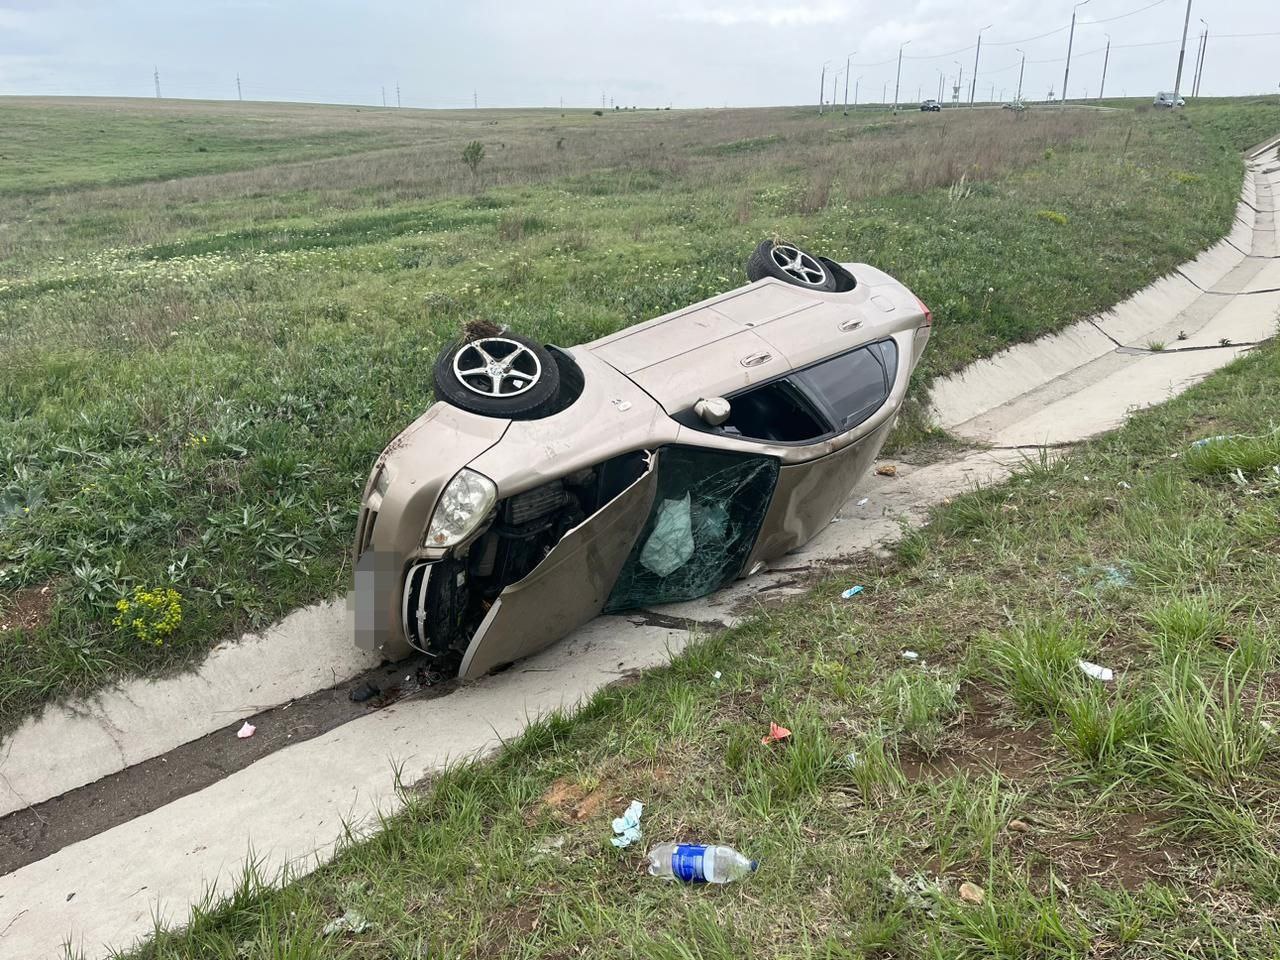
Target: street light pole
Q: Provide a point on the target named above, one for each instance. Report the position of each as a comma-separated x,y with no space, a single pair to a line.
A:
1070,41
897,83
941,77
973,90
1182,53
855,91
959,79
822,87
1021,69
1105,58
846,80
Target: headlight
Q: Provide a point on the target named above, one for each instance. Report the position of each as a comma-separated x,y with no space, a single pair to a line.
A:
465,502
382,481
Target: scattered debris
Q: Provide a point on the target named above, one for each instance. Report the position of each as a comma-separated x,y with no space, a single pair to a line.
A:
1093,670
350,922
887,470
570,802
776,733
247,731
1205,441
863,501
627,826
910,655
550,845
852,592
851,758
972,893
1125,485
716,675
918,893
699,863
1019,826
366,691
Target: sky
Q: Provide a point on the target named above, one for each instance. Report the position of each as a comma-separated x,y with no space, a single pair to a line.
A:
681,53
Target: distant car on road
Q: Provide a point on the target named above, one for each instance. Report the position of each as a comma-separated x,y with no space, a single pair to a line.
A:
930,106
1166,98
651,466
1017,103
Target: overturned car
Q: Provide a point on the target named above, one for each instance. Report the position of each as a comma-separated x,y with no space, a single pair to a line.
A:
654,465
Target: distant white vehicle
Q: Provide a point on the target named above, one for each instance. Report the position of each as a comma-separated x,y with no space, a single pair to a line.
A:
1166,98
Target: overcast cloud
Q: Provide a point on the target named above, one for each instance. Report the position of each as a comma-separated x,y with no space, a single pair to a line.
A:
687,53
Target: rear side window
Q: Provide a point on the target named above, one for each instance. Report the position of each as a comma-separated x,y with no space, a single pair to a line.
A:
853,386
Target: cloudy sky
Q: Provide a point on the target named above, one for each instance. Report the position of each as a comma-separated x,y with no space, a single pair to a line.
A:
686,53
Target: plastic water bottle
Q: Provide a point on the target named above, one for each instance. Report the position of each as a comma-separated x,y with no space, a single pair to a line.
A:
695,863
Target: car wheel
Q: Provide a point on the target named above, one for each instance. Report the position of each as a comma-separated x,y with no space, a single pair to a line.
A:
790,264
502,376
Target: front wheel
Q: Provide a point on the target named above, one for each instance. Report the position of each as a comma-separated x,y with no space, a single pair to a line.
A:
501,376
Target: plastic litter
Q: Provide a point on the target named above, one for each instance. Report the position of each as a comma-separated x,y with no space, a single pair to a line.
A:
1205,441
775,734
1095,671
1125,485
863,501
696,863
350,922
670,545
247,731
365,691
852,592
716,675
972,893
918,893
627,826
910,655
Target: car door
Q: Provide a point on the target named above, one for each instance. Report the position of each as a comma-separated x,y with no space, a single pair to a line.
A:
569,586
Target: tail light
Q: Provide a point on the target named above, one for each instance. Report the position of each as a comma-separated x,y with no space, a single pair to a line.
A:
928,314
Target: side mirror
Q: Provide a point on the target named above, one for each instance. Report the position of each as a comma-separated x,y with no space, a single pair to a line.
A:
713,410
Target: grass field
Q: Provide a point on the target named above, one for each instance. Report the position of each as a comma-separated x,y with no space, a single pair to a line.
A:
1134,818
213,316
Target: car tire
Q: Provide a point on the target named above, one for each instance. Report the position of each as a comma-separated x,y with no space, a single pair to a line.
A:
804,269
528,377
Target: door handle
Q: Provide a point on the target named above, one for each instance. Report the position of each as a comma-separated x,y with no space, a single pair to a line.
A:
755,359
850,324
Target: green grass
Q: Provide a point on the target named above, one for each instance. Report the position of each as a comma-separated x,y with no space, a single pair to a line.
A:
1134,819
197,369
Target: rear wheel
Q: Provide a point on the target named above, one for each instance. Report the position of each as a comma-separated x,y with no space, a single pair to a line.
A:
500,376
790,264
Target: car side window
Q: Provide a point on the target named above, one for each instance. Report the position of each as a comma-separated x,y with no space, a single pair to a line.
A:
854,385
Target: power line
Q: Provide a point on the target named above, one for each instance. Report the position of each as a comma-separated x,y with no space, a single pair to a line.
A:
1129,14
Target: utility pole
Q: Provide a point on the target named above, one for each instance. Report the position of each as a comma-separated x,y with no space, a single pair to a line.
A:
157,77
898,81
884,92
397,94
475,99
1070,40
973,90
1021,69
822,87
941,77
1204,45
993,94
955,94
1182,52
834,81
847,61
384,95
1106,57
855,91
239,95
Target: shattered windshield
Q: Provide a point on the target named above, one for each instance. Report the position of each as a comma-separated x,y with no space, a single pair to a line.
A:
703,524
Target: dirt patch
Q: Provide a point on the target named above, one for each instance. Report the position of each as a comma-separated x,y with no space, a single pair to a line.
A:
982,744
568,801
28,609
1120,851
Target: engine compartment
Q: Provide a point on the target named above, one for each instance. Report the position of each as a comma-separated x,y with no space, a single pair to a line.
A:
453,595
